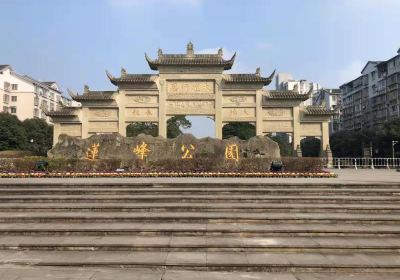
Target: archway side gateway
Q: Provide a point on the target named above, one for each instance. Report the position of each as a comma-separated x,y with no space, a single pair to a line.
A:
191,84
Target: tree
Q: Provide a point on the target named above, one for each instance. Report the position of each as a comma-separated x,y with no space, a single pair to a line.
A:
176,124
39,136
12,134
134,129
310,147
243,130
284,146
174,127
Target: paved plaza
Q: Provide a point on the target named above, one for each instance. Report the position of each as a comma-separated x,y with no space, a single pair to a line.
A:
202,228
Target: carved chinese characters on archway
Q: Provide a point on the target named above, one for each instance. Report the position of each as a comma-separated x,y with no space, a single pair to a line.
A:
190,89
180,87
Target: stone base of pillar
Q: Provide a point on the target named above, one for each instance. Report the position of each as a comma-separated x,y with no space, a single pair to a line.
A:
329,157
298,151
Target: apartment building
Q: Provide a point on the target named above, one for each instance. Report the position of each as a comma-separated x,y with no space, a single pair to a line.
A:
27,97
373,98
331,99
285,81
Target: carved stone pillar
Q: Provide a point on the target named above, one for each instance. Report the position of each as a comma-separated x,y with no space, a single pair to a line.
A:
296,128
85,123
121,113
218,111
162,105
259,114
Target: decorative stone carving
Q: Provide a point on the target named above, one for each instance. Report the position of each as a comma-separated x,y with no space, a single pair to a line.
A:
238,99
190,107
141,100
278,113
103,114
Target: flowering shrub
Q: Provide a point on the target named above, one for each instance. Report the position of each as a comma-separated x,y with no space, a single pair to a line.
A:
202,166
165,174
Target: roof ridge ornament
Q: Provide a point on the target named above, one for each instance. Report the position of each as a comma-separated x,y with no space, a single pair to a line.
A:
123,71
258,71
189,49
221,52
272,75
86,89
160,52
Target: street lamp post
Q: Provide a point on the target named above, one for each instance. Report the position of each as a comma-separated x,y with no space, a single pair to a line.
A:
393,144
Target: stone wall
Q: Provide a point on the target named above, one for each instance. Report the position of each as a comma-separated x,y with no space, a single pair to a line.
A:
149,148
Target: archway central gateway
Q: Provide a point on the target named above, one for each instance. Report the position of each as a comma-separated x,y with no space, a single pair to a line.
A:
191,84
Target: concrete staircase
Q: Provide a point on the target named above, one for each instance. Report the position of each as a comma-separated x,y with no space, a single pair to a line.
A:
214,227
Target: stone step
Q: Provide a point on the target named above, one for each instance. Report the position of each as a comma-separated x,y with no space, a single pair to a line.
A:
232,186
202,198
198,191
193,207
211,261
199,229
111,273
202,244
225,217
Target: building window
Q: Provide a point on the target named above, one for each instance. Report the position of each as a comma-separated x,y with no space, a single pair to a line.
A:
6,86
6,98
36,112
14,86
13,110
13,98
51,106
5,109
36,101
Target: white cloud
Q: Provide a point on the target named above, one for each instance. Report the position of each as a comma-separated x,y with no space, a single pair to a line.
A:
129,3
350,72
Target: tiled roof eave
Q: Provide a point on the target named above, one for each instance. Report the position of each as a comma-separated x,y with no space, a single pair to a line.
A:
61,114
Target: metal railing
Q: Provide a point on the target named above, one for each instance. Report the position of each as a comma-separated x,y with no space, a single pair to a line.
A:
366,163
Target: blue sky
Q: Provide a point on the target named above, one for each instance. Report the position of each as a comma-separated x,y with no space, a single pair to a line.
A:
74,41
